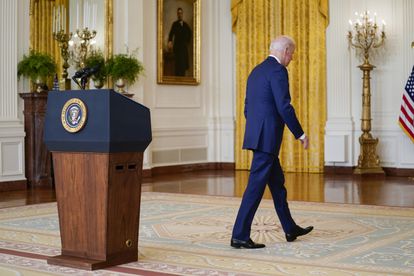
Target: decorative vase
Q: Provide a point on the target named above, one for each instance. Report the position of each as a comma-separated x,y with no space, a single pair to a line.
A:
98,83
120,84
39,84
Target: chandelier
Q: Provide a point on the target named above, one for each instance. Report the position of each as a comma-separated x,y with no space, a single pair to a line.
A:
365,33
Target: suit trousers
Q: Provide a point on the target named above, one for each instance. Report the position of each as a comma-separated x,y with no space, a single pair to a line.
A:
265,169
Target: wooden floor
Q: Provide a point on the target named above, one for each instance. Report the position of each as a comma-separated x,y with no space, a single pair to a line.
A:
391,191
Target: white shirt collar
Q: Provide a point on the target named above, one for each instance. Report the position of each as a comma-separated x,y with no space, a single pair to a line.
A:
275,57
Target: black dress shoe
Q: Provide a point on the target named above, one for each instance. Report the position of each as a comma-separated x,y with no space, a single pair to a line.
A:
299,231
246,244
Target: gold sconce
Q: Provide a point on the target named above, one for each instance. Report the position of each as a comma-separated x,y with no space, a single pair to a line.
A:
364,36
42,28
80,46
77,49
84,38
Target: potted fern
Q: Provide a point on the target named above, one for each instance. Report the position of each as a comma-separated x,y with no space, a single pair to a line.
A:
96,60
124,67
37,67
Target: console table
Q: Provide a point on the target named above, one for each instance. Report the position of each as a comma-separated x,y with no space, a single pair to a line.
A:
38,161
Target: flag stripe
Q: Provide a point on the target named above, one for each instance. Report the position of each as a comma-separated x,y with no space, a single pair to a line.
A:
407,127
409,118
406,117
409,133
408,109
407,124
408,104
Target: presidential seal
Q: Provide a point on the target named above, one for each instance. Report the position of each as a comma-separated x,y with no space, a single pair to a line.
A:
74,115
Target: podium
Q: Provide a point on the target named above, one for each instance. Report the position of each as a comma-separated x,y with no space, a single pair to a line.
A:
97,139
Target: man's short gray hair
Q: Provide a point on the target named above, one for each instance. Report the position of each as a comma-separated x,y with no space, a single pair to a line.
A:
281,43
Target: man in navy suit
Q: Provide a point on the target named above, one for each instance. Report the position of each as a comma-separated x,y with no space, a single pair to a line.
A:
267,110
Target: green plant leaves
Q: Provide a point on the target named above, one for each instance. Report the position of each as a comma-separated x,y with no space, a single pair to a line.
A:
36,65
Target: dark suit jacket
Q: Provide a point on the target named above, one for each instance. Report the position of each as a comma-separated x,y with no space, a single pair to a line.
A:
181,36
267,108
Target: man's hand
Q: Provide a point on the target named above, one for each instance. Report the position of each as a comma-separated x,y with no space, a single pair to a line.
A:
305,142
170,45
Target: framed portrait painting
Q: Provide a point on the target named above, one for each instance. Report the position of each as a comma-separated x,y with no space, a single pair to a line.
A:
178,42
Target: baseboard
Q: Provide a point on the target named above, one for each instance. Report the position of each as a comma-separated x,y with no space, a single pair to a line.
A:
146,173
13,185
399,172
388,171
338,170
231,166
187,168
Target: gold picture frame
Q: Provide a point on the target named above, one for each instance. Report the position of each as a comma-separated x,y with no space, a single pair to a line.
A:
178,42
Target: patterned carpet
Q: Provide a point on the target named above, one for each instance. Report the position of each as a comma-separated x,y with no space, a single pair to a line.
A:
189,235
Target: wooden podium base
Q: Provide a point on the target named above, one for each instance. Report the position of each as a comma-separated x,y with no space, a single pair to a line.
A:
89,264
98,197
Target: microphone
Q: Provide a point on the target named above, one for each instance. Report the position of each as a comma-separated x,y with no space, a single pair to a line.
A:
79,74
83,74
90,71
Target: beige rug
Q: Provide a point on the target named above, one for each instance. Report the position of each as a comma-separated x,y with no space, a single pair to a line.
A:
189,235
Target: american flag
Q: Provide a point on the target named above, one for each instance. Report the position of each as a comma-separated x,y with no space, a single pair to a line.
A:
406,119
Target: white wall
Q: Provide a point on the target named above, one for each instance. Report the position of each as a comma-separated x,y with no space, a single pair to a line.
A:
13,43
193,124
190,124
344,82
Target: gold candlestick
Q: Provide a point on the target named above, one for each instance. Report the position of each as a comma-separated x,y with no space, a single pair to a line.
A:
364,38
85,35
63,39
